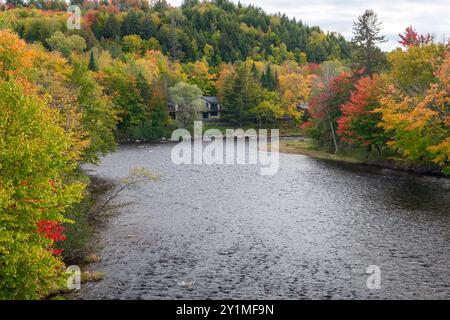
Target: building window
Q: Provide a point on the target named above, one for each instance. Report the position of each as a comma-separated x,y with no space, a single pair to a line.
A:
214,113
205,115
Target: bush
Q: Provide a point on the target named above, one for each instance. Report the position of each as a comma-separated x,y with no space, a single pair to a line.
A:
36,157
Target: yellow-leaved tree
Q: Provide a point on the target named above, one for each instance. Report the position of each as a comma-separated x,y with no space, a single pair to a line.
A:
295,89
37,156
420,124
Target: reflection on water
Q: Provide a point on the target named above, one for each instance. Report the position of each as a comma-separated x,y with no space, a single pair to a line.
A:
308,232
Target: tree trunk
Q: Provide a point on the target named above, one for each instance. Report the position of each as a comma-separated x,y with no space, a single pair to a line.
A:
336,149
380,151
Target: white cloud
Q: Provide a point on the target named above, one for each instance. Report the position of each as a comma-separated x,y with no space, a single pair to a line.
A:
333,15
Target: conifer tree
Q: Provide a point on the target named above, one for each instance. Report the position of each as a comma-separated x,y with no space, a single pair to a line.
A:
367,34
92,63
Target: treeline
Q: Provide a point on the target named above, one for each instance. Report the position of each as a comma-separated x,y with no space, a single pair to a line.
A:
218,30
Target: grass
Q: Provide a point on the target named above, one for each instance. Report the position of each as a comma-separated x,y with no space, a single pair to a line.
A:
290,131
286,130
91,276
360,155
307,148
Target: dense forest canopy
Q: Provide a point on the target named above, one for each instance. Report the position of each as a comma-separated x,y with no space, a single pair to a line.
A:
219,30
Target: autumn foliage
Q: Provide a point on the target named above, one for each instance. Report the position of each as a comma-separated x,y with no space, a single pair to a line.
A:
412,38
420,124
359,122
324,107
38,152
52,230
402,113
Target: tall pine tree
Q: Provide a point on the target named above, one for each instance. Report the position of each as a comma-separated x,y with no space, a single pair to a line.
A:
367,34
240,95
92,63
269,79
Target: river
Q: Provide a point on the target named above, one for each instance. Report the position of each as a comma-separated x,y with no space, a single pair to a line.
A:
308,232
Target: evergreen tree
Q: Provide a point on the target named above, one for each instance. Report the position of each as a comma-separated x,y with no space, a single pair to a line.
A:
148,28
173,39
131,24
367,35
92,63
240,95
268,79
220,24
255,72
143,87
112,27
160,5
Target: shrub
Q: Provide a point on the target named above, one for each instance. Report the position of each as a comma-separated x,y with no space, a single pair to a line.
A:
36,157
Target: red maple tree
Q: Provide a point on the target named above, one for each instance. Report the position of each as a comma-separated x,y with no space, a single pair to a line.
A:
359,123
52,230
412,38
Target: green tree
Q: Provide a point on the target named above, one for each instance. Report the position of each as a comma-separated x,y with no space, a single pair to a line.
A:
255,72
92,63
187,98
367,34
111,30
66,45
36,156
269,109
133,44
240,95
414,70
144,87
131,24
269,79
122,86
98,116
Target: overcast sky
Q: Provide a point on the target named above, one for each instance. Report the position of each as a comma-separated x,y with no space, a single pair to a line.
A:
338,15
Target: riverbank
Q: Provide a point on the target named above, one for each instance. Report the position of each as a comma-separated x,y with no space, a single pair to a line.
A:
305,147
80,248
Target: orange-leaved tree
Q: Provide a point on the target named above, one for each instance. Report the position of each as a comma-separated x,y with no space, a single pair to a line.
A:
420,125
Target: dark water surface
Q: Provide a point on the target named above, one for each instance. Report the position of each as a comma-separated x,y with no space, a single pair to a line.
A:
213,232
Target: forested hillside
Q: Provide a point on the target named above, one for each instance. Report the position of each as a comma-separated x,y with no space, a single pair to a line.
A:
219,31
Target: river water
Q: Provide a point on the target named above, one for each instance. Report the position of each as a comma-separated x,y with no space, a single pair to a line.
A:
309,232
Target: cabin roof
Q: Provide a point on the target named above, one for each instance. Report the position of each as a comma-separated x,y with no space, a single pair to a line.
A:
211,99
